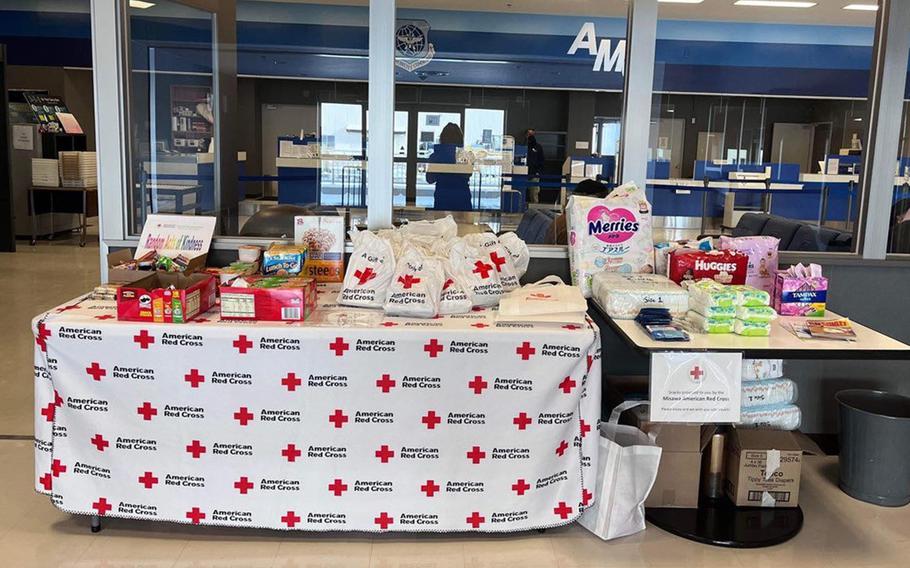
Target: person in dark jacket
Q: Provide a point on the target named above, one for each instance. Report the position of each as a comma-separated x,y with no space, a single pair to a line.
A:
535,165
452,192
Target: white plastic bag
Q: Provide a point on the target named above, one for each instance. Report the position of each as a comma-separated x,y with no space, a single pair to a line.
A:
628,465
445,228
473,266
518,249
369,272
415,288
548,296
455,298
499,257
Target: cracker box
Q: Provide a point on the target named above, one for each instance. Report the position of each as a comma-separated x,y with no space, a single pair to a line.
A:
269,298
323,236
724,266
800,296
166,297
283,260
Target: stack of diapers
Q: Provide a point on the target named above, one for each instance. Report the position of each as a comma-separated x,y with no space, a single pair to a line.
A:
622,296
768,399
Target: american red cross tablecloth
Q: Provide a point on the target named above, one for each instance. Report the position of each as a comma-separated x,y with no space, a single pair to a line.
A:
348,421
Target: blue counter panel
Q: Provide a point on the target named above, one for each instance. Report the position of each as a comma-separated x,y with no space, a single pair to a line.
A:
302,189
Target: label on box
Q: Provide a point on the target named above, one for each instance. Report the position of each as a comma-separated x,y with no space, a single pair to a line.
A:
324,238
696,387
726,267
173,235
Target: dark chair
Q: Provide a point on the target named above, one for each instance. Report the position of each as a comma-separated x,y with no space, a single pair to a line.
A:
274,222
782,228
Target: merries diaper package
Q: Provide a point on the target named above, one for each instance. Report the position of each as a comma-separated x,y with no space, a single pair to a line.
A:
610,234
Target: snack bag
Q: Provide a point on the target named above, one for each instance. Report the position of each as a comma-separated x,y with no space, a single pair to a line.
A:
613,233
455,298
499,257
369,273
516,247
415,287
724,266
762,253
473,266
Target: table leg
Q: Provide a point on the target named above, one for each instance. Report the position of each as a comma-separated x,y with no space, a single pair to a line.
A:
84,217
96,523
31,199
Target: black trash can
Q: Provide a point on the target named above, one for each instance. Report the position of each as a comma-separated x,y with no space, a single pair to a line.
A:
875,446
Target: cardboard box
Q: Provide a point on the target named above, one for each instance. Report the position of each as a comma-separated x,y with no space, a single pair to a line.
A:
166,297
794,296
269,298
679,475
124,276
169,235
763,468
323,236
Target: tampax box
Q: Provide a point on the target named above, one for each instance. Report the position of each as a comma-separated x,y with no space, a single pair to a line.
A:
166,297
269,298
800,296
763,468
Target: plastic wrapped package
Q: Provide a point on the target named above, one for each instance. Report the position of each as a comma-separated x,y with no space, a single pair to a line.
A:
761,314
415,287
760,369
783,417
710,325
750,328
750,296
622,296
762,253
445,228
770,392
710,293
727,312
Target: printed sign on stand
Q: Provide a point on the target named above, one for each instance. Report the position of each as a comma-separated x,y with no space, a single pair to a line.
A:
696,387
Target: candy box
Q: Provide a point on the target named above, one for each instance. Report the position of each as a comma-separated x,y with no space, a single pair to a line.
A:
800,295
724,266
269,298
166,297
283,260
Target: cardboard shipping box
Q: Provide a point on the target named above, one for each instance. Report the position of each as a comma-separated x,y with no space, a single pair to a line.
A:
166,297
763,468
679,475
269,298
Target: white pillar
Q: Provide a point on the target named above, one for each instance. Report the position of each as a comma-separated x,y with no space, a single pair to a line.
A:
380,122
641,37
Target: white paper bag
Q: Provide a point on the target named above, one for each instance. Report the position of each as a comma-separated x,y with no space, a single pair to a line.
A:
547,296
626,472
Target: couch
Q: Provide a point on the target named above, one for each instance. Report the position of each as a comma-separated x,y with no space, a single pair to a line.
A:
794,235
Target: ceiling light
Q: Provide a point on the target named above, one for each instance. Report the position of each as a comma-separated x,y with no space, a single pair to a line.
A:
775,3
140,4
680,1
862,7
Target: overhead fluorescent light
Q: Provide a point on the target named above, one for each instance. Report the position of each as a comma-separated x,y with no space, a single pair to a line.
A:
680,1
862,7
140,4
775,3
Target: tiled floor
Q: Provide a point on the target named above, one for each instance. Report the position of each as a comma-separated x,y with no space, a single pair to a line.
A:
839,532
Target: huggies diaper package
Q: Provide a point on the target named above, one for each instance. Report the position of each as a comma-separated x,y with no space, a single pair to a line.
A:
609,234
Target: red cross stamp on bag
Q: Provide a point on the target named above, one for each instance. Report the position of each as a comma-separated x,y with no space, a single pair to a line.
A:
497,260
482,269
364,276
407,281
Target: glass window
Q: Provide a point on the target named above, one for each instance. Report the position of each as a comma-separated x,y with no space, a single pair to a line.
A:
760,110
899,235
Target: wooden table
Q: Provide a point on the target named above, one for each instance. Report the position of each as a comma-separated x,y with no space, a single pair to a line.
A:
79,200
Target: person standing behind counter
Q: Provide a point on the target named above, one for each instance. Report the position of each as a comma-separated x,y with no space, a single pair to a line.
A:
452,190
535,165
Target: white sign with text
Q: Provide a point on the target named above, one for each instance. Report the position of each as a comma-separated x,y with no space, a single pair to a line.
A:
696,387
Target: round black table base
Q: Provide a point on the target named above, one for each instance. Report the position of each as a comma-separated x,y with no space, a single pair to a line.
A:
719,523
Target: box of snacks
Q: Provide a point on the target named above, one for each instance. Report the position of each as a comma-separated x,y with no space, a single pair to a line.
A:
269,298
169,243
166,297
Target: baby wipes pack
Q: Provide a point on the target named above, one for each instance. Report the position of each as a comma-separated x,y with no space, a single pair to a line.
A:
609,234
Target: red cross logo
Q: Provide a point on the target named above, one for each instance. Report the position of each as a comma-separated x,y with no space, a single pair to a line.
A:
57,468
41,338
105,317
541,296
431,420
483,269
407,281
585,427
195,515
148,479
562,510
291,453
339,347
520,487
243,415
430,488
47,481
290,519
479,325
525,351
476,454
478,384
147,411
590,362
195,378
586,497
475,520
58,400
385,454
571,327
143,339
243,485
447,284
67,308
96,372
497,260
338,487
384,520
386,383
388,324
696,373
99,442
567,385
242,344
338,418
49,411
291,382
561,448
433,348
364,276
102,506
522,420
196,449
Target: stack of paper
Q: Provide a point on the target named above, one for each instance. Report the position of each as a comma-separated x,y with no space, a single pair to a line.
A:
44,173
78,169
